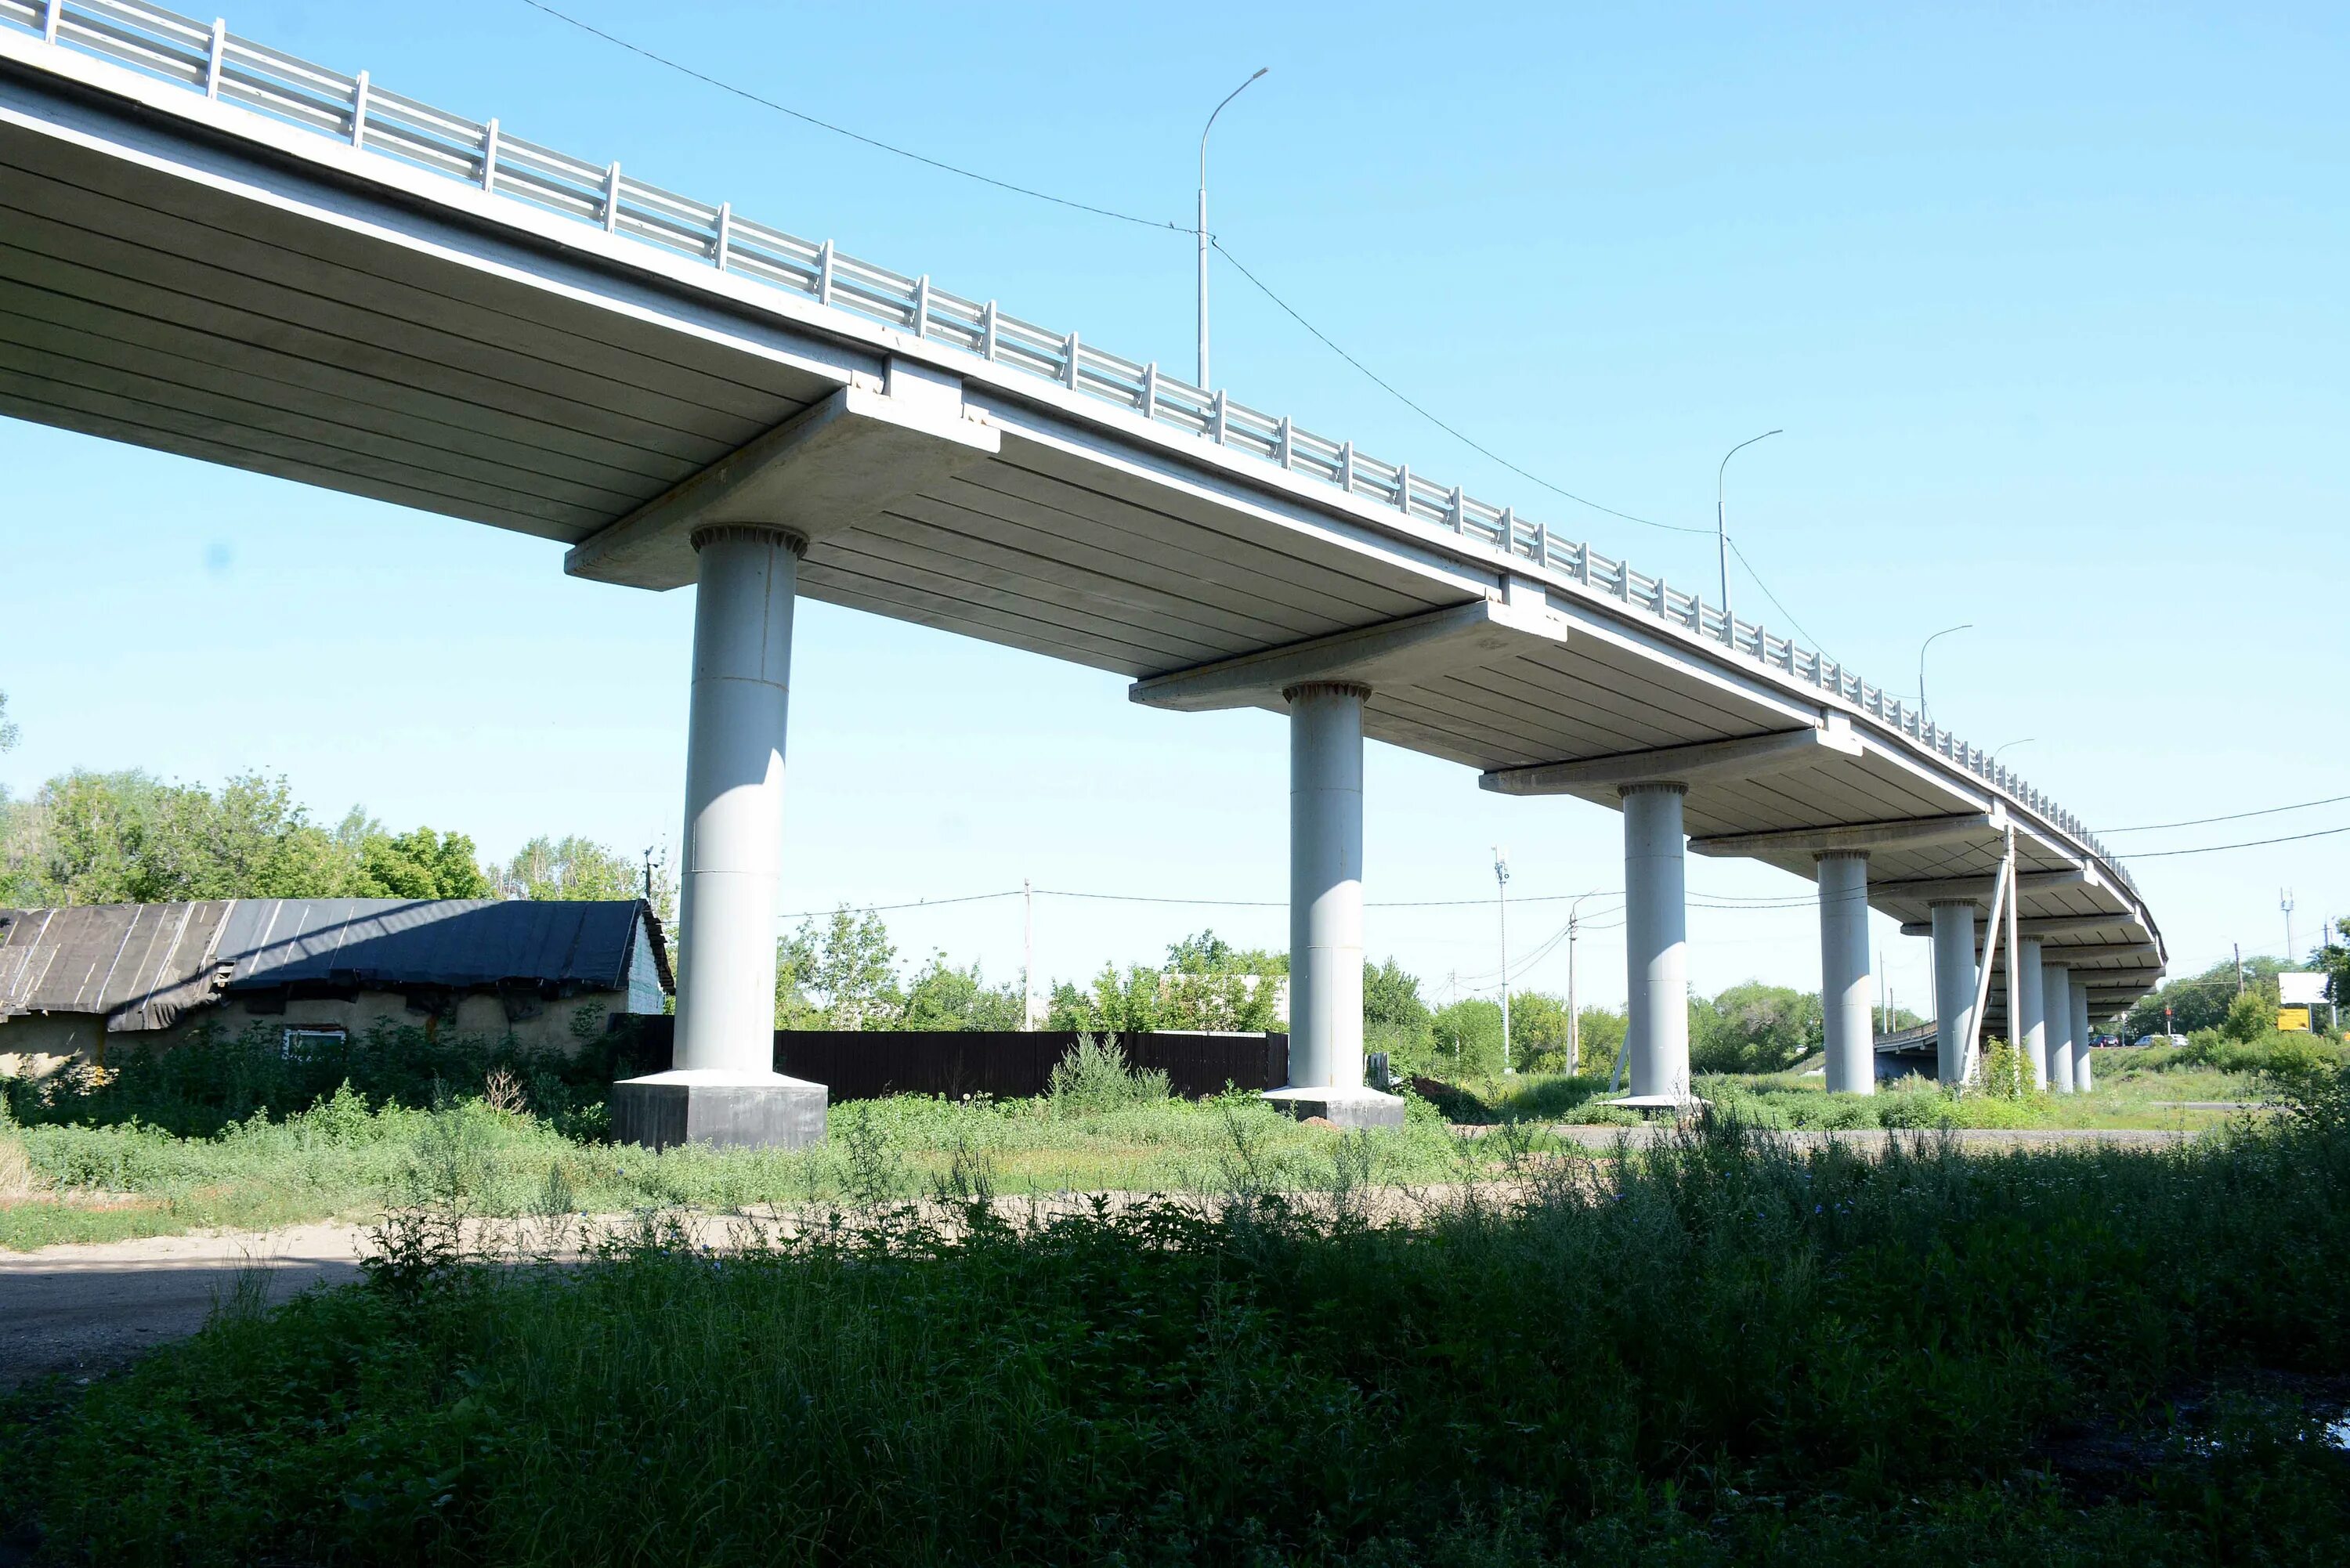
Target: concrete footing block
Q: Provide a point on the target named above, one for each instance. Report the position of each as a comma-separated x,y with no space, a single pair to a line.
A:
1344,1107
718,1106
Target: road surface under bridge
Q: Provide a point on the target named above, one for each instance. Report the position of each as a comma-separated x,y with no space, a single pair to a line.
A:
212,248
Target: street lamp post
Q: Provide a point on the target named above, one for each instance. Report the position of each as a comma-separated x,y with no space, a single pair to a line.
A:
1924,712
1721,527
1204,223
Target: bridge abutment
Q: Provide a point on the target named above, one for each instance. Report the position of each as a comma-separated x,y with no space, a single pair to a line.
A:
721,1086
1844,979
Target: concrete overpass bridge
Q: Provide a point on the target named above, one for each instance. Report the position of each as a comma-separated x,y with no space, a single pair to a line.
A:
212,248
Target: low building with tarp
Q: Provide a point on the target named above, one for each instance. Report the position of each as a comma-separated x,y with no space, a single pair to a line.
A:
76,981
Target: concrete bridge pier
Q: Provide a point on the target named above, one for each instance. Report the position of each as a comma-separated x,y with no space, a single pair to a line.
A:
2056,1014
1325,911
722,1087
1844,979
2082,1080
2027,1015
1954,984
1656,940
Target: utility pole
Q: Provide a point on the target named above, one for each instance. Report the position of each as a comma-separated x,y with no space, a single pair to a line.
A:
2240,968
1027,955
1204,385
1574,1012
2284,902
1501,882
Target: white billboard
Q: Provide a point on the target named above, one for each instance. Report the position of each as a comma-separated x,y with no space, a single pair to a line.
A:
2300,990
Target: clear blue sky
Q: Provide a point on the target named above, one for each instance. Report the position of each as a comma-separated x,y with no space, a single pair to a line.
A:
2049,301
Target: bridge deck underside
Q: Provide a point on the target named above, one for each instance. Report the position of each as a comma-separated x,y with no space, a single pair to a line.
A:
322,344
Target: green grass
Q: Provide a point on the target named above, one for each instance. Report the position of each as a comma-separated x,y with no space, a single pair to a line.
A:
343,1158
2133,1092
1725,1353
98,1169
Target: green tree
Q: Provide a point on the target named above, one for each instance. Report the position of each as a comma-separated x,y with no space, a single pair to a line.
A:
1207,983
843,976
573,867
126,838
1754,1028
1396,1019
420,864
942,996
1600,1032
1468,1036
2253,1015
1538,1032
2197,1002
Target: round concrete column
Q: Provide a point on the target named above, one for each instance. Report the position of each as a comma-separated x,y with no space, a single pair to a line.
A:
1844,973
1954,985
2027,1020
2056,1012
1326,885
1656,941
722,1087
741,693
2083,1081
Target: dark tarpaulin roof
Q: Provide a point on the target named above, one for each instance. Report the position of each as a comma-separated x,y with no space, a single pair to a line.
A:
144,965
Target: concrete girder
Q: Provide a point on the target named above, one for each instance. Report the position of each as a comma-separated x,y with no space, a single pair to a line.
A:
1747,757
1828,840
2039,925
1930,889
2083,952
1408,652
822,471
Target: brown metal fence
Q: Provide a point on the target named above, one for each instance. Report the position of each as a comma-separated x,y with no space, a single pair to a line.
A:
865,1064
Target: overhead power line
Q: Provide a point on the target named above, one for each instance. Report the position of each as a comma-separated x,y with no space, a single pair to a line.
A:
872,141
2232,816
1454,430
2248,844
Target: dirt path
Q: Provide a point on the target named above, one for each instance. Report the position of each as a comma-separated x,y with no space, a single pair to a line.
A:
84,1308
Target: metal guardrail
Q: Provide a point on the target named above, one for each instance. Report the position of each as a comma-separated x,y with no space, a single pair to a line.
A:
210,59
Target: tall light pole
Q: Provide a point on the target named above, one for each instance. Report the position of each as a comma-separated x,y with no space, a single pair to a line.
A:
1203,223
1721,519
1502,881
1924,712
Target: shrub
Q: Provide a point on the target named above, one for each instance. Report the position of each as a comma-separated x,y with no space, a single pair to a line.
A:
1094,1076
216,1080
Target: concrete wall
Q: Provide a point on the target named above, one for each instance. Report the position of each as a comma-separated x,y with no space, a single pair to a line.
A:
37,1045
